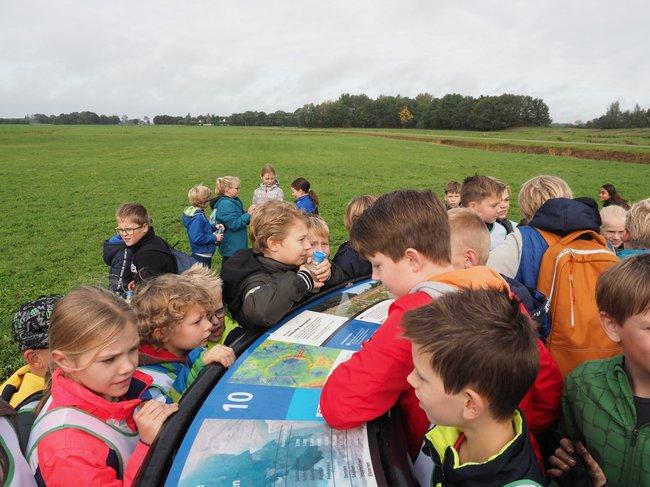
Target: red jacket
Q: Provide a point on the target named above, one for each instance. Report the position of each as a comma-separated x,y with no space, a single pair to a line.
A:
71,457
374,379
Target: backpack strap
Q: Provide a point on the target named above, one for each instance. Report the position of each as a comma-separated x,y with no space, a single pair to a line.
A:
505,223
119,440
534,245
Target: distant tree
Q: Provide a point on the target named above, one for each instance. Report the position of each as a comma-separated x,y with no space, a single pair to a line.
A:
405,116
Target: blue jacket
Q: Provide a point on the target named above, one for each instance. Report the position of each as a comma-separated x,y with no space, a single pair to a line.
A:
306,204
199,231
350,262
230,212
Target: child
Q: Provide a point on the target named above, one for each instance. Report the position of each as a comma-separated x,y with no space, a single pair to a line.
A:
225,330
117,256
405,236
202,235
318,234
560,215
483,194
609,196
151,255
613,226
536,254
262,284
306,199
269,188
470,246
637,230
479,437
452,194
346,258
504,207
172,316
30,326
228,210
606,403
89,431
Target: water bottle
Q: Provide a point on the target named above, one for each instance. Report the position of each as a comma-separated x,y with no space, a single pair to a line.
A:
316,258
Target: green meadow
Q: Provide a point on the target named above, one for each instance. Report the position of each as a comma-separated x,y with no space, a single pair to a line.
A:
61,185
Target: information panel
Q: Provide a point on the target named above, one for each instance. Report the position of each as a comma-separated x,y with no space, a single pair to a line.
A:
261,424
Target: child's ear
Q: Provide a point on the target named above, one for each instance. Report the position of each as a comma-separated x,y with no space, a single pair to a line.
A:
612,327
471,258
34,359
473,405
414,259
272,244
626,235
62,360
158,335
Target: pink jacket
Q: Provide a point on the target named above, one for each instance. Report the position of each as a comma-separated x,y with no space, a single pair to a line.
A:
72,457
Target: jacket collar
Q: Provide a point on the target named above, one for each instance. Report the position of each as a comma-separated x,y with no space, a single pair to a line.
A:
150,354
67,392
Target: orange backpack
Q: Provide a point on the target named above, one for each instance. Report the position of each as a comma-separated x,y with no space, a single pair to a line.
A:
568,274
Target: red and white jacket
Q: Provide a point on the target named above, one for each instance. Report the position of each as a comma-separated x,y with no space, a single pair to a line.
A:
373,380
71,456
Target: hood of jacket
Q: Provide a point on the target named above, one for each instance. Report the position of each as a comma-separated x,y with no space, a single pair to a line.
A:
21,385
234,272
151,243
189,213
149,354
562,216
112,246
67,392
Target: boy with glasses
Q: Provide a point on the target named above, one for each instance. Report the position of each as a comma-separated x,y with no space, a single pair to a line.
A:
151,256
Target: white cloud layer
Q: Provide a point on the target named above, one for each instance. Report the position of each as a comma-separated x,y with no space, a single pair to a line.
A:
152,57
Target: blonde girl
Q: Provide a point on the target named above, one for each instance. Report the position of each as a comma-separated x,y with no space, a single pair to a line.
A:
228,210
269,188
88,431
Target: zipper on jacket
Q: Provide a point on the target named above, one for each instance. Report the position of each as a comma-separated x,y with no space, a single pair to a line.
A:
635,436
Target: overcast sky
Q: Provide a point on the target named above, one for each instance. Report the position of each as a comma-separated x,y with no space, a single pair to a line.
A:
142,57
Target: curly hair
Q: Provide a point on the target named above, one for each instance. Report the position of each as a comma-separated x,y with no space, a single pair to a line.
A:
162,303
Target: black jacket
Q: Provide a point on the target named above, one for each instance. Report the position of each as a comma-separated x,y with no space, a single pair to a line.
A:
152,256
563,216
351,263
259,291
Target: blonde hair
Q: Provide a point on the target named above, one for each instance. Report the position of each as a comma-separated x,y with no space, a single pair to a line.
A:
355,207
162,303
273,219
468,231
267,169
317,225
225,182
536,191
201,276
88,318
198,195
612,212
637,225
134,212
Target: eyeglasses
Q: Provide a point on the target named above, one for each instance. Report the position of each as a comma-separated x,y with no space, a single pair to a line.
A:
127,231
220,313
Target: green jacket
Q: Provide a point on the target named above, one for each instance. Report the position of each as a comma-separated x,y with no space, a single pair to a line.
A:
598,409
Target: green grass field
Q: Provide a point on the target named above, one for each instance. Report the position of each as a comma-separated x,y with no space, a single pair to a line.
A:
62,184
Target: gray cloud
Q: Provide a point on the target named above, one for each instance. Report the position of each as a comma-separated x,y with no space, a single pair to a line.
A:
152,57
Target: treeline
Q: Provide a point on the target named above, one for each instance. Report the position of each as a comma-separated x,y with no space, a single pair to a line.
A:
190,120
75,118
615,118
424,111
